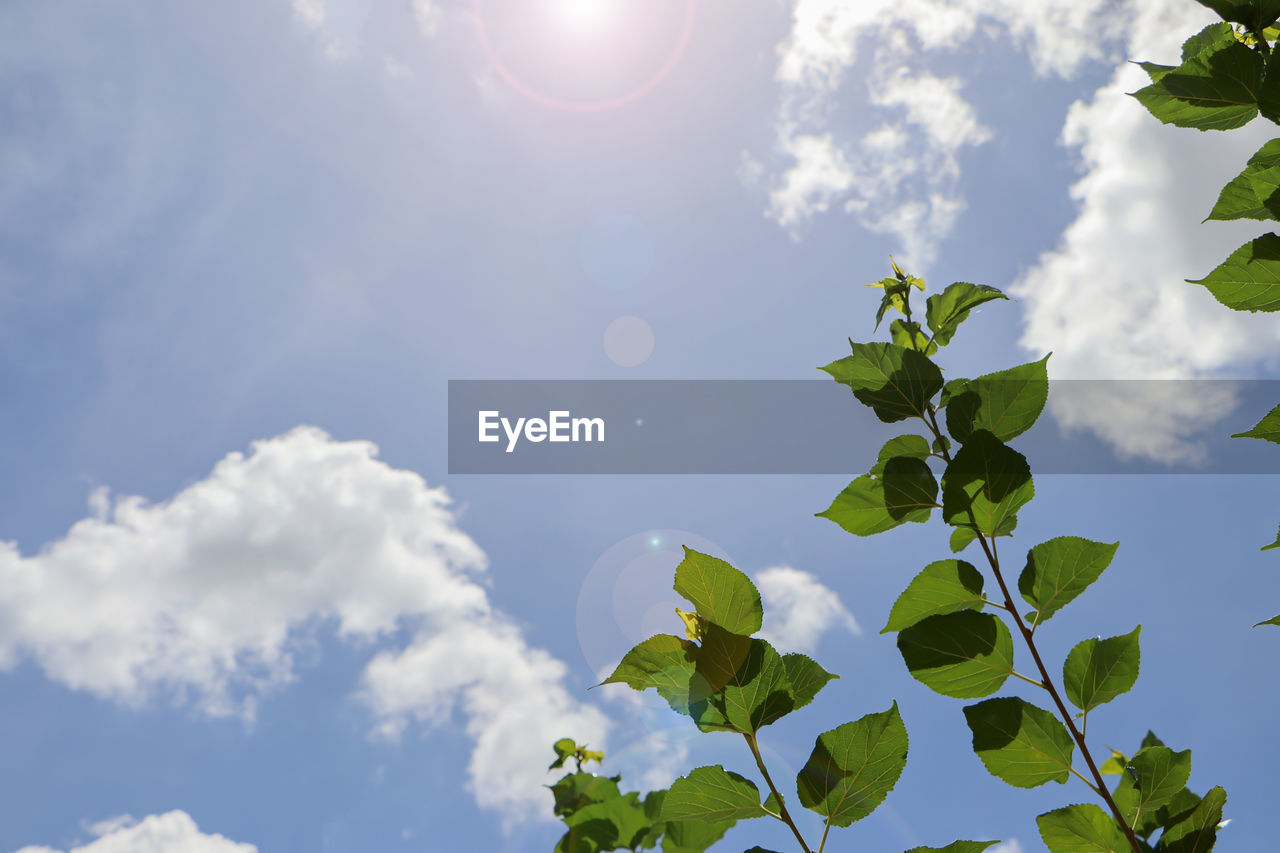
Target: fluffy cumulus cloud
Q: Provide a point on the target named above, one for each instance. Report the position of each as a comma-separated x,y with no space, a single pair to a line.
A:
799,609
172,832
212,597
901,176
1111,300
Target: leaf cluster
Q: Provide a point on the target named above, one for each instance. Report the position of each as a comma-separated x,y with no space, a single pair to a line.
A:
955,636
727,680
1229,75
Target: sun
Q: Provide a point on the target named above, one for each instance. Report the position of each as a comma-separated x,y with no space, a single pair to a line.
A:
585,17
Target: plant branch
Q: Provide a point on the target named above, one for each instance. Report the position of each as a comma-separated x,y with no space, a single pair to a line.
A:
1031,681
1101,786
825,830
784,815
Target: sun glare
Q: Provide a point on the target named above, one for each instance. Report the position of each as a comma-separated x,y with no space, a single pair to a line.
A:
585,17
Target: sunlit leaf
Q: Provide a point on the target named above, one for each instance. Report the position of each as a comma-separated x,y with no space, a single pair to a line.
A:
1097,671
1217,89
1005,403
945,311
663,662
905,491
575,791
1267,429
721,593
1082,828
956,847
945,586
854,767
907,446
1197,832
1059,570
806,677
712,794
910,335
1151,780
896,382
1024,745
961,538
964,654
1249,279
1255,192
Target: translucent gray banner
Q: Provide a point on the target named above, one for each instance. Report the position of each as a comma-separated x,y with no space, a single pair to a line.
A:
818,427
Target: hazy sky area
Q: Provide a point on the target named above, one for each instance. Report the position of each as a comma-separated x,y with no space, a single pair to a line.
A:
244,245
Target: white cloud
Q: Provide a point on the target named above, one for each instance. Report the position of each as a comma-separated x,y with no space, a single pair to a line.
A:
513,698
311,13
172,832
799,609
1010,846
820,173
908,188
1110,300
210,597
934,104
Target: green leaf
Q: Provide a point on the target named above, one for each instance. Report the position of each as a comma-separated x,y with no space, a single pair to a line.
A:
1275,544
1024,745
1097,671
1211,38
1114,765
806,677
712,794
1150,739
906,491
564,748
1249,279
692,836
1267,429
608,825
1255,192
1005,403
961,538
1151,780
945,311
963,654
575,791
756,693
663,662
896,382
854,767
1178,809
1217,89
910,335
945,586
1199,830
985,485
1081,829
720,593
1155,71
956,847
1254,14
1059,570
908,446
1274,620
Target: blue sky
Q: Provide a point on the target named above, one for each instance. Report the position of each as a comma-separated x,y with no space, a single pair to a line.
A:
243,247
